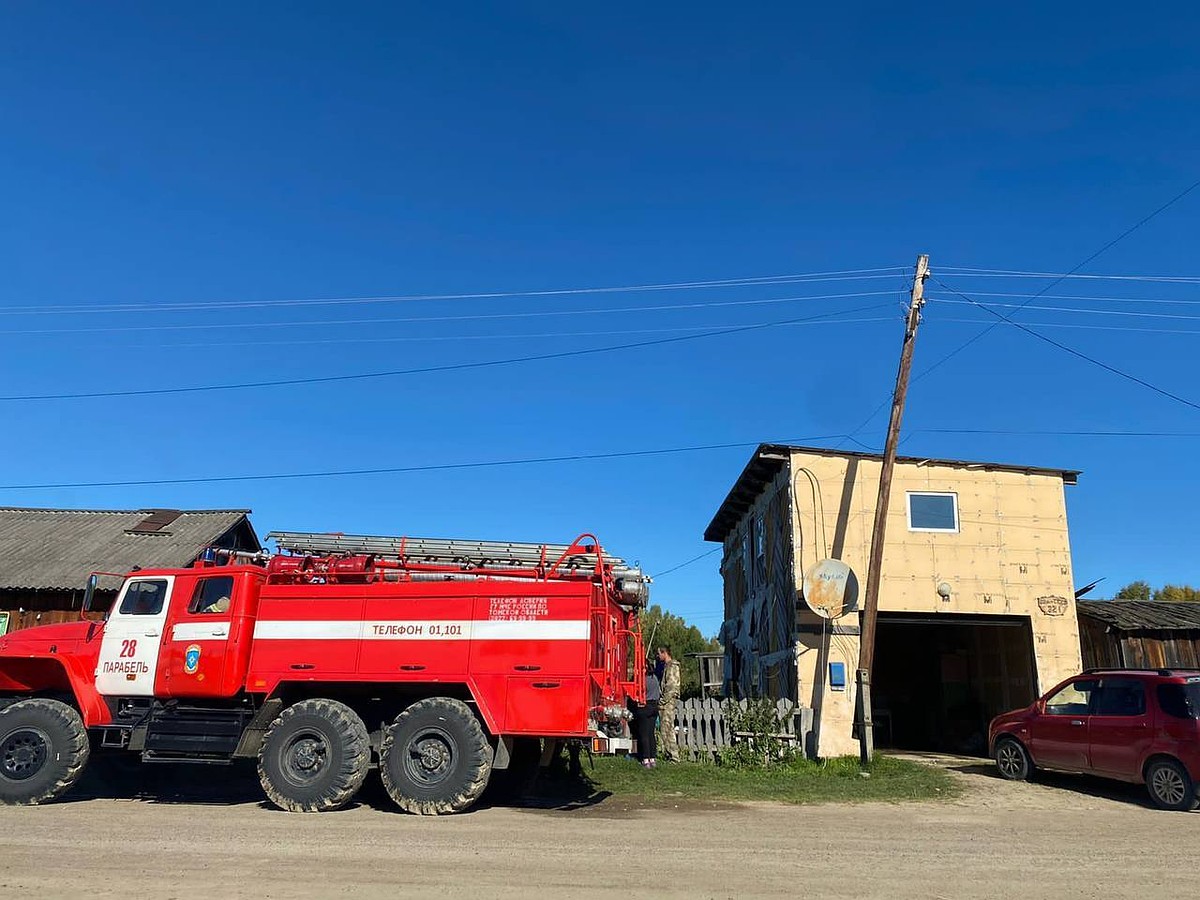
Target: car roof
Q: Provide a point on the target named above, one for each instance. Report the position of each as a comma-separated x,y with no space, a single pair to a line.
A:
1171,672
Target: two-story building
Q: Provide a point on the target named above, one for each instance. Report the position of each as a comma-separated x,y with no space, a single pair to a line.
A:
977,609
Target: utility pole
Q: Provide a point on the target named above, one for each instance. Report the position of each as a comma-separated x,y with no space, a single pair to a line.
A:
866,653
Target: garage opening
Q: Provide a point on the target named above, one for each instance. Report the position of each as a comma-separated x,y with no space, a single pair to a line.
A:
938,680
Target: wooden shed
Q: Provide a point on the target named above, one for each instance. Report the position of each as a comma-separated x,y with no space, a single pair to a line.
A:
47,554
1140,634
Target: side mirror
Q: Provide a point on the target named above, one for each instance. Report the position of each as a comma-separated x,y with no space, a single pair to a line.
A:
89,593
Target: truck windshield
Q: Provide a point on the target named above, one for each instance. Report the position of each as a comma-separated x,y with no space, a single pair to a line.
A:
1180,701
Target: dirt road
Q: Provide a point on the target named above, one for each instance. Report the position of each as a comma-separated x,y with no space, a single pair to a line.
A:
1067,839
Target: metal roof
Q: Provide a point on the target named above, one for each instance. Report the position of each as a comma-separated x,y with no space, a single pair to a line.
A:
768,459
56,549
1142,615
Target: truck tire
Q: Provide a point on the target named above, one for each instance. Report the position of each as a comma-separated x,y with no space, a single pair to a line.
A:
315,756
435,758
43,751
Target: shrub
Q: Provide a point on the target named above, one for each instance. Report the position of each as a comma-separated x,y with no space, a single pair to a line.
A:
754,731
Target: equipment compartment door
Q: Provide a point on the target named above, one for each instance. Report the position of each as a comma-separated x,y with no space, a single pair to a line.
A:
132,636
547,706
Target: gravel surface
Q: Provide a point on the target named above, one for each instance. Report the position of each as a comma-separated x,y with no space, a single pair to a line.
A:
1064,838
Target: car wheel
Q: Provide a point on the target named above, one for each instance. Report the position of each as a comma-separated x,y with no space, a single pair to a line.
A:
1170,786
1012,759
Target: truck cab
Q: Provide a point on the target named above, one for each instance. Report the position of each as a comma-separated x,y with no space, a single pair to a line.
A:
180,633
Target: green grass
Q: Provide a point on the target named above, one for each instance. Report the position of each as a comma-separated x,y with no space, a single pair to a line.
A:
833,781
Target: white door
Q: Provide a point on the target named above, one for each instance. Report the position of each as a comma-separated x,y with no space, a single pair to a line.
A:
132,636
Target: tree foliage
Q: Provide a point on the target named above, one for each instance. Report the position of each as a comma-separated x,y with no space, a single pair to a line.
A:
1135,590
1178,593
674,632
1168,593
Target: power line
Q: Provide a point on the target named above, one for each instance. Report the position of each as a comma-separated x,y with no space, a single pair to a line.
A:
1070,272
1042,433
1072,309
1084,326
1083,298
1077,353
963,272
694,559
802,278
1058,279
241,326
422,370
504,337
395,470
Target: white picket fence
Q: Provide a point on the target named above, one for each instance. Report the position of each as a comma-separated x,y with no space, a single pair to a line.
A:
702,730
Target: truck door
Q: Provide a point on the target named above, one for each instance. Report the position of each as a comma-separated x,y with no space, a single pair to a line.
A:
132,636
196,651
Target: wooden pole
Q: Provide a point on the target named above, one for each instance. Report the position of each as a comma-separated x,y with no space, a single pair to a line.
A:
866,653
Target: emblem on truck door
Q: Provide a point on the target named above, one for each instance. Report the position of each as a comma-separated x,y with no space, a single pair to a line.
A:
191,659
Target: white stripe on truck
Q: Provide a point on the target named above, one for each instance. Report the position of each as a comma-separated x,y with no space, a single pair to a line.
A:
425,630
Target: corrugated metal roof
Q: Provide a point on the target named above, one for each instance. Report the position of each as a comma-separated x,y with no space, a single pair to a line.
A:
768,459
58,548
1142,615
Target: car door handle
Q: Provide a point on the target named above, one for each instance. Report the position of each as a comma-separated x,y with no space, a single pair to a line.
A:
527,668
546,684
219,632
1077,721
150,634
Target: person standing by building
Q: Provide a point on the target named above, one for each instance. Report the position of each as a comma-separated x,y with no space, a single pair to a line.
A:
666,705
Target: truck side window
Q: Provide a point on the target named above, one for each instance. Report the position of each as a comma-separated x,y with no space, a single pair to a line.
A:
212,595
144,598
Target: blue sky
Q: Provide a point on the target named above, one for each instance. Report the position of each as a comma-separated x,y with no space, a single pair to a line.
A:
159,154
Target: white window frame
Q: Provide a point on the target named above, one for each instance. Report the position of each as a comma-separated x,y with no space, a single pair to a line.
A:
908,495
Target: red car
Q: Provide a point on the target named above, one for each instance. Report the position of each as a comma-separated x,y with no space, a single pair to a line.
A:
1136,725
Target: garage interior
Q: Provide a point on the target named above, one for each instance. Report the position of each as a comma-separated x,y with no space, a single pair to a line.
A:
939,679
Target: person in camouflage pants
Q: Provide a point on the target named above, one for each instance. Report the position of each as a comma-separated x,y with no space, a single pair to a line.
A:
667,745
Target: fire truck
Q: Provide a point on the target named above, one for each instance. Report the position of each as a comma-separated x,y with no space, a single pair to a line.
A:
445,664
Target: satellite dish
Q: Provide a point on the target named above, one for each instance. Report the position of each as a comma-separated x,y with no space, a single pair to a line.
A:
831,589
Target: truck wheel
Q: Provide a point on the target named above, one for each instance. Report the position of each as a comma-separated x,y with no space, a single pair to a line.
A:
435,758
315,756
43,750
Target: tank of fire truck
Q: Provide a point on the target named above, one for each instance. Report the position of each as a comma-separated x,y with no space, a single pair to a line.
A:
445,665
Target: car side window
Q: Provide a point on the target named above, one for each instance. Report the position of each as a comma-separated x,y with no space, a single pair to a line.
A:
1119,697
212,596
1180,701
144,598
1072,700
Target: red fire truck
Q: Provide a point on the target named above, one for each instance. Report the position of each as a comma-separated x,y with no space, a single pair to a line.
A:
444,663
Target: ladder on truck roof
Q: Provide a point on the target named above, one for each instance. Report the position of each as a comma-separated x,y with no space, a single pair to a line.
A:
449,551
